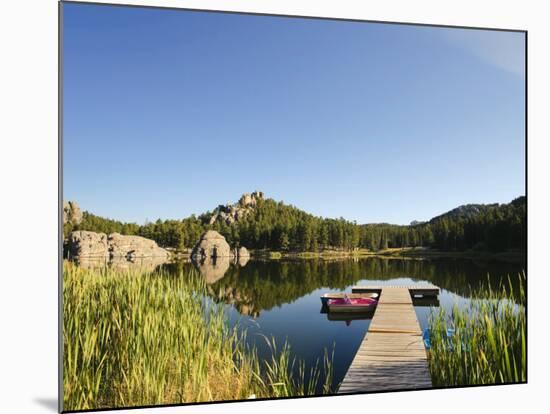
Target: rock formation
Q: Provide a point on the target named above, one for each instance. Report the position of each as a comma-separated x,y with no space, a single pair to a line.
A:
88,244
211,245
71,213
212,256
231,213
134,246
248,200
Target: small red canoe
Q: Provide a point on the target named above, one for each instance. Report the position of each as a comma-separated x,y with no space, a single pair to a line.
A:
347,304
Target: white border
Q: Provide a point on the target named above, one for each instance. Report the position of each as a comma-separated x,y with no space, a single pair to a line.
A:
28,167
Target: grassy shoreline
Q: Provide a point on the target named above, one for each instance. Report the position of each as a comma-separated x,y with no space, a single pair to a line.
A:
141,338
517,257
488,344
401,253
508,256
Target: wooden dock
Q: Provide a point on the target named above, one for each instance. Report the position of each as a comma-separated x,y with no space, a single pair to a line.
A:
424,289
392,354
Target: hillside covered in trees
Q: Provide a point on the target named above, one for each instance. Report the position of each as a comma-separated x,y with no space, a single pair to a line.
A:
273,225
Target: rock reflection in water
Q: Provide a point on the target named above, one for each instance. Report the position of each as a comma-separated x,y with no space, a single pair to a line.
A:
242,260
145,264
230,295
213,269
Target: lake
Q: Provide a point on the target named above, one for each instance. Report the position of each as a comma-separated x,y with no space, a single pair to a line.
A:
280,298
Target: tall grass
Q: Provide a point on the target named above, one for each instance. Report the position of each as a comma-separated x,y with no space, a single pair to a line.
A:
488,345
134,338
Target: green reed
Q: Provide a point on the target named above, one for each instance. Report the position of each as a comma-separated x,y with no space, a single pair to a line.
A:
488,345
140,338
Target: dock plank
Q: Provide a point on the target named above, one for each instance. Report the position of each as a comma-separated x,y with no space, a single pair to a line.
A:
425,289
392,354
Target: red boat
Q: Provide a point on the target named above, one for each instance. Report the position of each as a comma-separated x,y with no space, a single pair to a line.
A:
340,295
347,304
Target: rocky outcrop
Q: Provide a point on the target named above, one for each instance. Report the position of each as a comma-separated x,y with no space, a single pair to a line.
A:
211,245
212,256
88,244
71,213
231,213
134,246
250,200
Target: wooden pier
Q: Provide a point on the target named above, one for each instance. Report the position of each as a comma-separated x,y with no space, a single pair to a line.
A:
424,289
392,354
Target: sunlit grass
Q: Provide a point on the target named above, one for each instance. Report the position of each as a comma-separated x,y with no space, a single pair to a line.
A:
139,338
488,345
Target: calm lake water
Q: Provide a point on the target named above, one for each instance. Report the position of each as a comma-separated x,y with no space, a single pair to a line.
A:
281,298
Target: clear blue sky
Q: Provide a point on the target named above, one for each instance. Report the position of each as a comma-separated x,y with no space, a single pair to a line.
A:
170,113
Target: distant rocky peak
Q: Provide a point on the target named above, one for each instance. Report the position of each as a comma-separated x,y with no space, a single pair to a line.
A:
231,213
71,213
248,199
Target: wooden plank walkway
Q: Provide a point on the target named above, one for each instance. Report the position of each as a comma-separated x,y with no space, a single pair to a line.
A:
426,289
392,354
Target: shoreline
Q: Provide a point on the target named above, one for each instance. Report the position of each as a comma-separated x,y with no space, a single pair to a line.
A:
412,253
396,253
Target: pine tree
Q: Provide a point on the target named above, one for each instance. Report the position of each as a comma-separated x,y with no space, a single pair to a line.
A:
383,242
284,243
